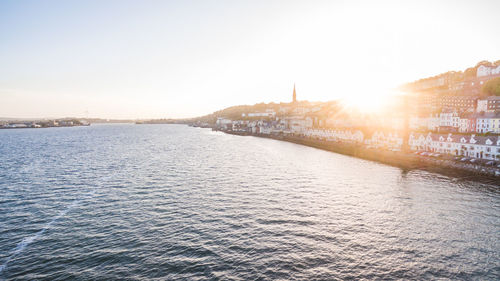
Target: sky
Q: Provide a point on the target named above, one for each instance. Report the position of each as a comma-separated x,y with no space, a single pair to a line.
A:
176,59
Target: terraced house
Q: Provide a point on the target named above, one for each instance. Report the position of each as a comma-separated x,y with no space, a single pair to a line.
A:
481,147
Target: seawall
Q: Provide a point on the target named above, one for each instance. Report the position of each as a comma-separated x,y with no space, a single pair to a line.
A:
406,161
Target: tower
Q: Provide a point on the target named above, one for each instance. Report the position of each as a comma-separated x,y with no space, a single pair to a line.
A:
294,94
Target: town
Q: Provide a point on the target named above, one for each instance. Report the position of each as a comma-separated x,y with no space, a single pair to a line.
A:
20,124
452,117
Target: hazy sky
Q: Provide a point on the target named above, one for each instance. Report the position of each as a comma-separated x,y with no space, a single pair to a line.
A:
153,59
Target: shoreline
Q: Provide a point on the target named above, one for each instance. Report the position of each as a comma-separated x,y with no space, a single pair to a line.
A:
16,128
401,160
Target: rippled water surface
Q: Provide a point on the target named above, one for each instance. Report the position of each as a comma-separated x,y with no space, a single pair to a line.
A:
172,202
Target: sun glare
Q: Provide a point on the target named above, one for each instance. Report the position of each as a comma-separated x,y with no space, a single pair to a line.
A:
367,101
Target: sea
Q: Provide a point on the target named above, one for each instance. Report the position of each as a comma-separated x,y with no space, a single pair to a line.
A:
172,202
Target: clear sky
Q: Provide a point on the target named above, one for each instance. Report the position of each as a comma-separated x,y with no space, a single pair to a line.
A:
156,59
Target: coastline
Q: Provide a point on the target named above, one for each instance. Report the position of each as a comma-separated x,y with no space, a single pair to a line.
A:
17,128
405,161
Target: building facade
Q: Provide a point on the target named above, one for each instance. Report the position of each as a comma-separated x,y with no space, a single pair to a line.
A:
481,147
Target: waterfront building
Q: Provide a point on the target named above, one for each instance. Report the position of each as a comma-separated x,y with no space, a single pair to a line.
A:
488,123
463,125
434,121
481,147
223,121
483,124
489,104
18,125
66,123
389,140
467,123
298,124
448,119
266,130
347,136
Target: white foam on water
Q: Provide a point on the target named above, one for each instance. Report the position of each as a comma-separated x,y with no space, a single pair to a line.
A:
28,240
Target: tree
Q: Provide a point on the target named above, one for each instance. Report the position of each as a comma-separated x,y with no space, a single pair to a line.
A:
491,88
483,62
470,72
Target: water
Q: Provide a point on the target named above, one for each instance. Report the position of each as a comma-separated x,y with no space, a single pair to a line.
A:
110,202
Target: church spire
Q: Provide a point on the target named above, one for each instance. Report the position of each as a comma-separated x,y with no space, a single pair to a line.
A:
294,94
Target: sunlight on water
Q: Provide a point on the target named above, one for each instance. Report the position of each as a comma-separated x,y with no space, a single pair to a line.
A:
174,202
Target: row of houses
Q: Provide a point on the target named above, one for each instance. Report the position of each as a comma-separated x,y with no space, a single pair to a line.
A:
454,90
465,101
453,122
482,147
44,124
460,103
349,136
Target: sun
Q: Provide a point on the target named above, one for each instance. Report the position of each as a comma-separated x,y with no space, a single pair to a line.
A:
367,101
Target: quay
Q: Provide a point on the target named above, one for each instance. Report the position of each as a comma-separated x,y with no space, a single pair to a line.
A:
403,160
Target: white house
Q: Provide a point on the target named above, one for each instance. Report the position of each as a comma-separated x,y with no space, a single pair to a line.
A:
298,124
433,122
448,119
336,135
223,121
390,140
483,124
482,105
471,146
463,125
488,123
487,70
